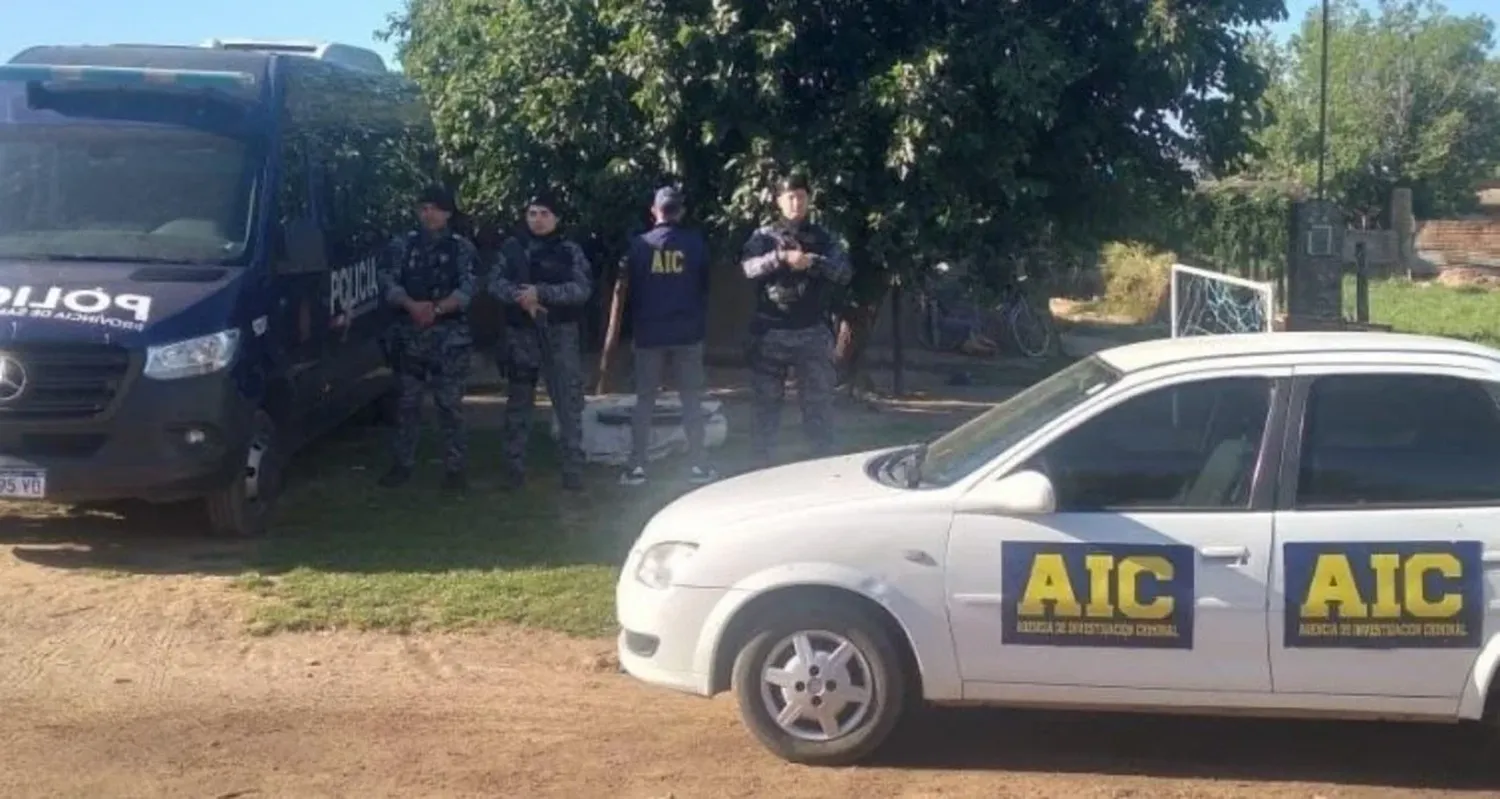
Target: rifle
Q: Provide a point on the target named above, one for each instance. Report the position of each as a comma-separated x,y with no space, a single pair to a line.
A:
544,334
544,339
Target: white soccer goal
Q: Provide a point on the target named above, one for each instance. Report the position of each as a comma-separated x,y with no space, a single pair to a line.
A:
1207,303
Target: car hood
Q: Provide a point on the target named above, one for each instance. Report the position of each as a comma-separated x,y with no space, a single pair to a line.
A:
120,303
794,488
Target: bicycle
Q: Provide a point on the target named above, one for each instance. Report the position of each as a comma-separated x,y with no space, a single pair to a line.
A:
1030,329
952,322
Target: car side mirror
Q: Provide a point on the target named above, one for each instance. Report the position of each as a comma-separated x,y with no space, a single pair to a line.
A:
1025,493
304,247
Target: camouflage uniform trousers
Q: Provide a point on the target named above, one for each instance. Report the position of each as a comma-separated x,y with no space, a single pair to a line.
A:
808,351
563,373
438,360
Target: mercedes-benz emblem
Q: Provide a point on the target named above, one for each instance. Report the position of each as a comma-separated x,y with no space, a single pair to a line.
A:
12,379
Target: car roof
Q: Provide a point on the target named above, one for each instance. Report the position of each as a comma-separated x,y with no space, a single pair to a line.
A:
1358,345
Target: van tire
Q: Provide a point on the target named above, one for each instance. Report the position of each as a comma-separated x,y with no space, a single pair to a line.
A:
244,507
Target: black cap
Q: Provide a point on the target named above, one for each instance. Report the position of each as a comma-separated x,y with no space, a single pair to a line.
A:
668,198
544,199
438,195
794,181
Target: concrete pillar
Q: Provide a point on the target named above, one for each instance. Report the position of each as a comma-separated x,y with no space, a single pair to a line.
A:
1404,223
1315,261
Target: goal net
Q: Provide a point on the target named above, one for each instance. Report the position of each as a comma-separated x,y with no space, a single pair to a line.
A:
1207,303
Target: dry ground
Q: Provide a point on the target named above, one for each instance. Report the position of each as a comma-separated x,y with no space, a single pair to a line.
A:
146,684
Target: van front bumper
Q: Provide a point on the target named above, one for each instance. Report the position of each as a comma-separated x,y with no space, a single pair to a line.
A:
159,441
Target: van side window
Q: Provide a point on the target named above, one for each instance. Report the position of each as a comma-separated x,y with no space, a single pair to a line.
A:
1393,440
1188,446
369,148
292,200
346,191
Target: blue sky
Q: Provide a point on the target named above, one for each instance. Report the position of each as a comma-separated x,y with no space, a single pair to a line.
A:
349,21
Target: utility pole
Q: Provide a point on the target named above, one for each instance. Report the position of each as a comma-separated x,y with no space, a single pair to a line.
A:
1323,103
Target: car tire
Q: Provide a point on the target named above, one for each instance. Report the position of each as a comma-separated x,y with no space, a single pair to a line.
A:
243,508
873,671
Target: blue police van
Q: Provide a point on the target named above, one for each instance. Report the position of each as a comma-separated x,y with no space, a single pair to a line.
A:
188,250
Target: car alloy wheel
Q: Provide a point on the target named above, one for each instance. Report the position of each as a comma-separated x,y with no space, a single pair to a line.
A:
817,685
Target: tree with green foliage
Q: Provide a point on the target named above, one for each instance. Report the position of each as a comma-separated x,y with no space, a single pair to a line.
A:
935,130
1239,226
1413,100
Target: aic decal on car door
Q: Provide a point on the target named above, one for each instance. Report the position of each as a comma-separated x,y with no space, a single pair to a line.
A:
1384,594
1125,595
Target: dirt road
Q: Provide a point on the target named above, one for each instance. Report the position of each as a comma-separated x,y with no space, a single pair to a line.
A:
147,686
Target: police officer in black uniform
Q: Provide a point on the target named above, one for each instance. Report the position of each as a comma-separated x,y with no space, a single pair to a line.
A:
543,281
428,275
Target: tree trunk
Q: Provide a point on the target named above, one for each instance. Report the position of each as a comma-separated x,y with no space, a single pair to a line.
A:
898,345
611,335
856,324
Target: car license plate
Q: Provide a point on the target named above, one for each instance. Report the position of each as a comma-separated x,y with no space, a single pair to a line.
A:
23,483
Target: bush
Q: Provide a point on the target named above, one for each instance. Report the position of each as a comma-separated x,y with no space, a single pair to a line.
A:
1136,280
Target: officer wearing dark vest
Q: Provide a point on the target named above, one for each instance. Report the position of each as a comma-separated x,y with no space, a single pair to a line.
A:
428,274
543,281
665,278
795,265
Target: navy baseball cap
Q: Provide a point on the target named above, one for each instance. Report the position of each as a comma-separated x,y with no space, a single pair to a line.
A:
668,198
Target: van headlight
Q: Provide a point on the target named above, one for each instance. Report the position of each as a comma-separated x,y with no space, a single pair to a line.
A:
660,564
195,356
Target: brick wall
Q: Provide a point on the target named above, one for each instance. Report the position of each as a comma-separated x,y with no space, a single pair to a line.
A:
1459,243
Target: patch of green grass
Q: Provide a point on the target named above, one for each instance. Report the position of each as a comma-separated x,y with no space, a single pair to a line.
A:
1468,313
348,554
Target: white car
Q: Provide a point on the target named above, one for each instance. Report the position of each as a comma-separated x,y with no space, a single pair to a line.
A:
1292,524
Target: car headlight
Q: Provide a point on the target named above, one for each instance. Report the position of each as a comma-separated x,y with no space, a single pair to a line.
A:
195,356
660,563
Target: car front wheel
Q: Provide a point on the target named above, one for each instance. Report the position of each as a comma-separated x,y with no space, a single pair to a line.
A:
820,686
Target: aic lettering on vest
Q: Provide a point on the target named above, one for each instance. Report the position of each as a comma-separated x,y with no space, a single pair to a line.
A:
89,306
667,262
355,289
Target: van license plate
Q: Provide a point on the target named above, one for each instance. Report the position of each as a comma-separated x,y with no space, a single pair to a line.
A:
23,483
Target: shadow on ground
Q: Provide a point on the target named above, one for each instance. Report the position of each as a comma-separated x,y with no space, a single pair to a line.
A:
1394,755
335,519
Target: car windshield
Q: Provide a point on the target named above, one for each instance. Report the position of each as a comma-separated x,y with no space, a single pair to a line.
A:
96,192
983,438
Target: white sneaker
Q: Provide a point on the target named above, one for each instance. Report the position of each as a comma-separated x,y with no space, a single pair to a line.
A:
633,477
702,474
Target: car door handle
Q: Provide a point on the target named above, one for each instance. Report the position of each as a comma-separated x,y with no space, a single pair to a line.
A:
1236,554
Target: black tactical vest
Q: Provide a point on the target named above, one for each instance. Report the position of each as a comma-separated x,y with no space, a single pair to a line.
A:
543,261
791,300
431,271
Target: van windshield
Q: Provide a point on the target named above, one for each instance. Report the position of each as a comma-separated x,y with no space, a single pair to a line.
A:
106,192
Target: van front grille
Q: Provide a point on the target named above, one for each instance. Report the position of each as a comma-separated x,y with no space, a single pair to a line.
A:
60,381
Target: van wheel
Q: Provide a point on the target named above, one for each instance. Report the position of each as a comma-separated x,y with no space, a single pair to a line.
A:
243,508
820,686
